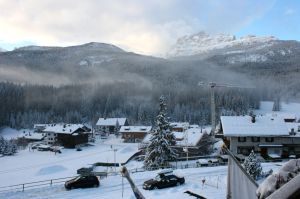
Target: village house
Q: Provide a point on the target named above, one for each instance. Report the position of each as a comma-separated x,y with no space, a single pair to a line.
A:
272,135
190,138
110,125
67,135
134,133
179,126
38,128
33,136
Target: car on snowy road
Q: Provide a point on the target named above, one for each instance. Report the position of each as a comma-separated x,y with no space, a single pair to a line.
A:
82,182
164,179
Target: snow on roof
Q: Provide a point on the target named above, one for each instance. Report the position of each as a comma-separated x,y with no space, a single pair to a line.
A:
202,161
33,136
63,128
263,126
179,124
178,135
142,129
111,121
189,137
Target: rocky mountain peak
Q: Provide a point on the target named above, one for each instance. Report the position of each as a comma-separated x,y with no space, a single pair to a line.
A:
203,42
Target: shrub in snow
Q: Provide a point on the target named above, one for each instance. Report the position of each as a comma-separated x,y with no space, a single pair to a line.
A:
159,151
252,166
288,171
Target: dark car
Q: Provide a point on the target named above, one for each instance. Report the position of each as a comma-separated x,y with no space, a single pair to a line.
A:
85,170
163,180
82,182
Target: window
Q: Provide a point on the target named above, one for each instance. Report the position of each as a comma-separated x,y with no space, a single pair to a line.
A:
241,139
269,139
255,139
244,150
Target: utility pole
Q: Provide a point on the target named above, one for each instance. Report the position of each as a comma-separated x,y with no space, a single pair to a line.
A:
115,150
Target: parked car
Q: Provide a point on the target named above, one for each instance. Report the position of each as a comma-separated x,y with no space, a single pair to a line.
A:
85,170
163,180
82,182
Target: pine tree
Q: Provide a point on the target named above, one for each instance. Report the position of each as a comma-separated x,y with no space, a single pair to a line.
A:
7,147
2,145
253,166
159,151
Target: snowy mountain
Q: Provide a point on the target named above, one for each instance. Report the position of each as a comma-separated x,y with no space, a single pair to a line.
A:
194,58
204,43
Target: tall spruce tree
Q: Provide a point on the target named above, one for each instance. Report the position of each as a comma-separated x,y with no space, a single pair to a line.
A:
253,166
160,151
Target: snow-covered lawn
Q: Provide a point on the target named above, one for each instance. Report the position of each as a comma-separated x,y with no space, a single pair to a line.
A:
28,166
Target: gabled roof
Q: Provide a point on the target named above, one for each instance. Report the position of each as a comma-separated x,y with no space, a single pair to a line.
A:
64,128
179,124
33,136
190,136
39,125
111,121
263,126
139,129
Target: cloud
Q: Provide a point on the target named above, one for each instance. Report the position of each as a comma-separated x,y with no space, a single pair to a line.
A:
147,27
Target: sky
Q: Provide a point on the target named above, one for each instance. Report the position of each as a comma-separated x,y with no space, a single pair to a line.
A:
143,26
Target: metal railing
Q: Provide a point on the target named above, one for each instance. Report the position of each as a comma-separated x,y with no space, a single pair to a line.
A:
36,184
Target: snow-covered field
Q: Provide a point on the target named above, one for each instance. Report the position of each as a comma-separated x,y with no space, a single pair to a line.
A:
27,166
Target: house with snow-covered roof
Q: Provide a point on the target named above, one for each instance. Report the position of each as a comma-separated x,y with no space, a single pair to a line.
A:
190,137
67,135
32,136
39,127
110,125
134,133
179,126
270,135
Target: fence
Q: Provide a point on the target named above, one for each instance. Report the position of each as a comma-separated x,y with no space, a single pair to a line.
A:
36,184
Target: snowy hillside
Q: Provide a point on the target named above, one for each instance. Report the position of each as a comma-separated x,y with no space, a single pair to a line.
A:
205,43
2,50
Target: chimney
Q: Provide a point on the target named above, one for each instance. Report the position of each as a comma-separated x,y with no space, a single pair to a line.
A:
253,118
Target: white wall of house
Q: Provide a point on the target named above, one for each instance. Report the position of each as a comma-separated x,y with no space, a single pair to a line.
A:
235,143
50,138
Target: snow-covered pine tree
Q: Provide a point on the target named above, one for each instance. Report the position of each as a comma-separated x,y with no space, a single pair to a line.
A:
253,166
160,151
2,145
7,147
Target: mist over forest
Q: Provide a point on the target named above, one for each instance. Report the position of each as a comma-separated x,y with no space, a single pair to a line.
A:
82,83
